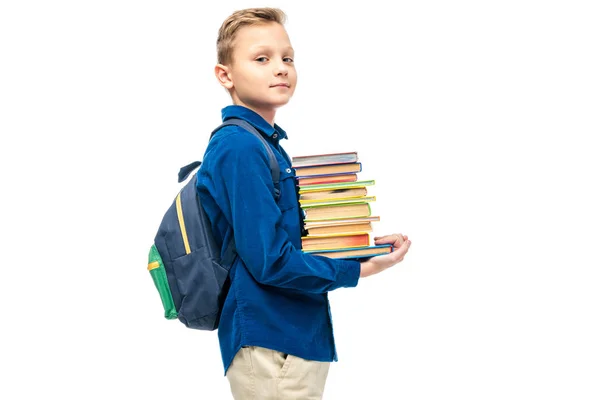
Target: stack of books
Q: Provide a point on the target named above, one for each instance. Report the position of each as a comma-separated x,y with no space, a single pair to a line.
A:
336,206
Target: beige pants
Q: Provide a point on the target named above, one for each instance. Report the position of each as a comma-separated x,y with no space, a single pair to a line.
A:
257,373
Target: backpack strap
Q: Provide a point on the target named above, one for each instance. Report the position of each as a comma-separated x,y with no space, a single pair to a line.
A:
272,160
185,171
231,252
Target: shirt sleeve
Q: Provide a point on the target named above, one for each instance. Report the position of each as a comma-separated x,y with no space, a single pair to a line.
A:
244,191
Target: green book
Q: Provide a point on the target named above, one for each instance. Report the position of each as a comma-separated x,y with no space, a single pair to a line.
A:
337,185
340,202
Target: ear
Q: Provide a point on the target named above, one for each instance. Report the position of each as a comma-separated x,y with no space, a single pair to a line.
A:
223,76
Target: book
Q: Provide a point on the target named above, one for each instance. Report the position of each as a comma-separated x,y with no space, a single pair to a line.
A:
324,159
328,169
335,241
345,221
332,202
326,179
333,194
326,230
334,186
356,252
336,207
337,211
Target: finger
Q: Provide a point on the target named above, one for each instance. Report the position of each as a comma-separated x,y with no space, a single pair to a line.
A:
389,239
401,251
379,239
392,237
399,240
383,237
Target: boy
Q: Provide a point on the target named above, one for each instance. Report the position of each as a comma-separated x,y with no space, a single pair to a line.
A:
275,330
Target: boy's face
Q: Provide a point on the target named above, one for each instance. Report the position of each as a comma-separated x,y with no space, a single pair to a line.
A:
262,75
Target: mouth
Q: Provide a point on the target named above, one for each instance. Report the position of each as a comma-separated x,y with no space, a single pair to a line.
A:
286,85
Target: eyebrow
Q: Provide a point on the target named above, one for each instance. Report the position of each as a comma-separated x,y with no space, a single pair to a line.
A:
264,47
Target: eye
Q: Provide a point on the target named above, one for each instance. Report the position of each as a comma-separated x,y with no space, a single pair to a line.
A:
288,59
261,59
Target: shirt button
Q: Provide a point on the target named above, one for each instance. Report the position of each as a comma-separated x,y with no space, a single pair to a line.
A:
288,170
274,136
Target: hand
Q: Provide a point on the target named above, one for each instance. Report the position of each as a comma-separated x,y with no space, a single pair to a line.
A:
376,264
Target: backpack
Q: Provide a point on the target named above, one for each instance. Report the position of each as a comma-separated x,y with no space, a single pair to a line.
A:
184,261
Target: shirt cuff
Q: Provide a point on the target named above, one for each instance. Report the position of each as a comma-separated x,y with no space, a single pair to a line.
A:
349,272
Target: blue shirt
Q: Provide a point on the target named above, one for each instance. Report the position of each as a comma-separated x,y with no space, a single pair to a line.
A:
278,294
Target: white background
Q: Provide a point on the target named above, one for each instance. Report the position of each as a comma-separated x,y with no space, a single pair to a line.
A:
476,119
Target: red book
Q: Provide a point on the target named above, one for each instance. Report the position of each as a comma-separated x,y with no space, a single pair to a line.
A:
317,180
334,242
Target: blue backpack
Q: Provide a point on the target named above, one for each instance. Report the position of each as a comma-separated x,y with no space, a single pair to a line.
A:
185,263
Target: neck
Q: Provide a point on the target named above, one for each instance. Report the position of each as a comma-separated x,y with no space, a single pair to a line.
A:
267,114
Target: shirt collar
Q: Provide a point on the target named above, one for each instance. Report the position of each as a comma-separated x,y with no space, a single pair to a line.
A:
241,112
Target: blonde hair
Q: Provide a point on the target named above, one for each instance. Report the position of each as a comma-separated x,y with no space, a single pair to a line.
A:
239,19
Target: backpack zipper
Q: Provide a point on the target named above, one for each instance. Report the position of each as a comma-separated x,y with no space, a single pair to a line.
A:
182,224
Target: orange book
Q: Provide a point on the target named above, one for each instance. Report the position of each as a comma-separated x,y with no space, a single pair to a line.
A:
334,242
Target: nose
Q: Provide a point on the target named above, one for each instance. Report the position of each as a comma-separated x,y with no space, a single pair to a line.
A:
281,69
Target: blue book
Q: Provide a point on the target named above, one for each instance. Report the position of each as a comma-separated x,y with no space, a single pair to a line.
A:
354,252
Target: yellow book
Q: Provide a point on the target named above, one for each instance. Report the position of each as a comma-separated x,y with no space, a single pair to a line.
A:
340,229
338,211
330,195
